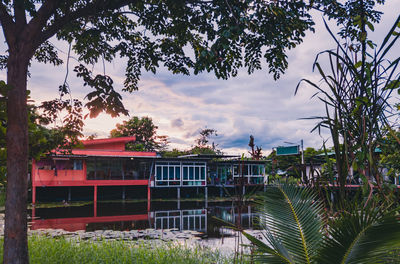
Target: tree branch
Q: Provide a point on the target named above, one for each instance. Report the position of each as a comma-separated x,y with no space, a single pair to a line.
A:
93,9
19,14
43,14
8,24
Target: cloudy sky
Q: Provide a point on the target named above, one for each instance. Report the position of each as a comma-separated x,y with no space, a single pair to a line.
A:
242,106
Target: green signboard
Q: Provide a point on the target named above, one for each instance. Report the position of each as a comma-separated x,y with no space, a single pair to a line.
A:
292,150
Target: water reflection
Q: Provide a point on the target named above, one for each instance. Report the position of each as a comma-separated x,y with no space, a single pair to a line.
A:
197,216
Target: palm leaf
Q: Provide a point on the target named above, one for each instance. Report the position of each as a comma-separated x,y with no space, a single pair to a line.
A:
362,236
291,217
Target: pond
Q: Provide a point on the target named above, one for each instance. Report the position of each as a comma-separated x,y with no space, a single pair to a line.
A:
197,216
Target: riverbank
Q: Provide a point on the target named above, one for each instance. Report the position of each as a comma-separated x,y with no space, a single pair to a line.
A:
61,250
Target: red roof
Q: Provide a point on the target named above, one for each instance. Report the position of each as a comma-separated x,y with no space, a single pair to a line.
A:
106,153
108,140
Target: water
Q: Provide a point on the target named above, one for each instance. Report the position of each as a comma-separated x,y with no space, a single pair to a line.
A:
197,216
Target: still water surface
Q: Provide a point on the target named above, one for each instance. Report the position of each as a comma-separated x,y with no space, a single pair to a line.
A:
197,216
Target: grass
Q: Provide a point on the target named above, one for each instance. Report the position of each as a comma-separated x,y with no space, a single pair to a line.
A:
49,250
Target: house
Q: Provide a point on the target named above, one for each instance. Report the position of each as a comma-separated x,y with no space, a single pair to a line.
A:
106,162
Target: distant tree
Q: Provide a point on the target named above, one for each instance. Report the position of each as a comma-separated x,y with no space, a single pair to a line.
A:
257,152
92,136
203,145
174,153
145,132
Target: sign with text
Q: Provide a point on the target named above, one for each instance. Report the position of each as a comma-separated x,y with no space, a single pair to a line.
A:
292,150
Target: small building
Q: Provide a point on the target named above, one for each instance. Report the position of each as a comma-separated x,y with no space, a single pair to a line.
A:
106,162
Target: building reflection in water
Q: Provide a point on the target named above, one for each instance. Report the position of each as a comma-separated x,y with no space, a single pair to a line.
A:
135,216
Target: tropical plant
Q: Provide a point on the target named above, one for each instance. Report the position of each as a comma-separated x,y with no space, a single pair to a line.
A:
390,156
356,93
296,229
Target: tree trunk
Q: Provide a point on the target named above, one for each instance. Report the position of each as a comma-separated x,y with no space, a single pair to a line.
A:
15,232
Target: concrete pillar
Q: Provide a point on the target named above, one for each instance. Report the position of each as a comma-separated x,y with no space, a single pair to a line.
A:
221,191
206,197
178,193
197,191
265,187
244,190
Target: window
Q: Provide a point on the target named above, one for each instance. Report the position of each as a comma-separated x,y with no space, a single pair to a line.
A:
168,173
175,174
78,165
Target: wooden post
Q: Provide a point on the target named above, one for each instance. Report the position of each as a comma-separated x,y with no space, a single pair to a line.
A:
33,214
148,198
95,201
33,194
206,196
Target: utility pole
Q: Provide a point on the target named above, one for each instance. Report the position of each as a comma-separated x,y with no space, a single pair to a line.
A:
303,169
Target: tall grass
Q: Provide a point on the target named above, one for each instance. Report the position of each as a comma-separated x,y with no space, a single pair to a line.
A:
49,250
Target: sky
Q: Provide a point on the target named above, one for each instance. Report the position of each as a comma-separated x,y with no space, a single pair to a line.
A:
237,108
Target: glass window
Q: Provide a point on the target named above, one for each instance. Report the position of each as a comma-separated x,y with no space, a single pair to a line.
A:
197,173
171,173
246,170
177,173
203,173
261,168
255,170
165,173
78,165
158,173
191,173
91,169
185,173
236,169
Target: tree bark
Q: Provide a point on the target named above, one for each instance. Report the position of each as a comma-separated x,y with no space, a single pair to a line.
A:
15,232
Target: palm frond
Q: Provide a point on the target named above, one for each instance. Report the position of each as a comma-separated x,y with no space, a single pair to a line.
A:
291,216
365,235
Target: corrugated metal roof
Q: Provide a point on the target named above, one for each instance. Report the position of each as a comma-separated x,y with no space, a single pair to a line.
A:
104,153
108,140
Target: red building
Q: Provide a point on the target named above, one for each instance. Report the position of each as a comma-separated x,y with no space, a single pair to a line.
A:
101,162
105,162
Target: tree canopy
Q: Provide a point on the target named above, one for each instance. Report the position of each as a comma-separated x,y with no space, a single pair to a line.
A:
145,132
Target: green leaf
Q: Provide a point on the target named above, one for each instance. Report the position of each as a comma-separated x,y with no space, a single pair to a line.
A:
358,64
292,216
371,27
